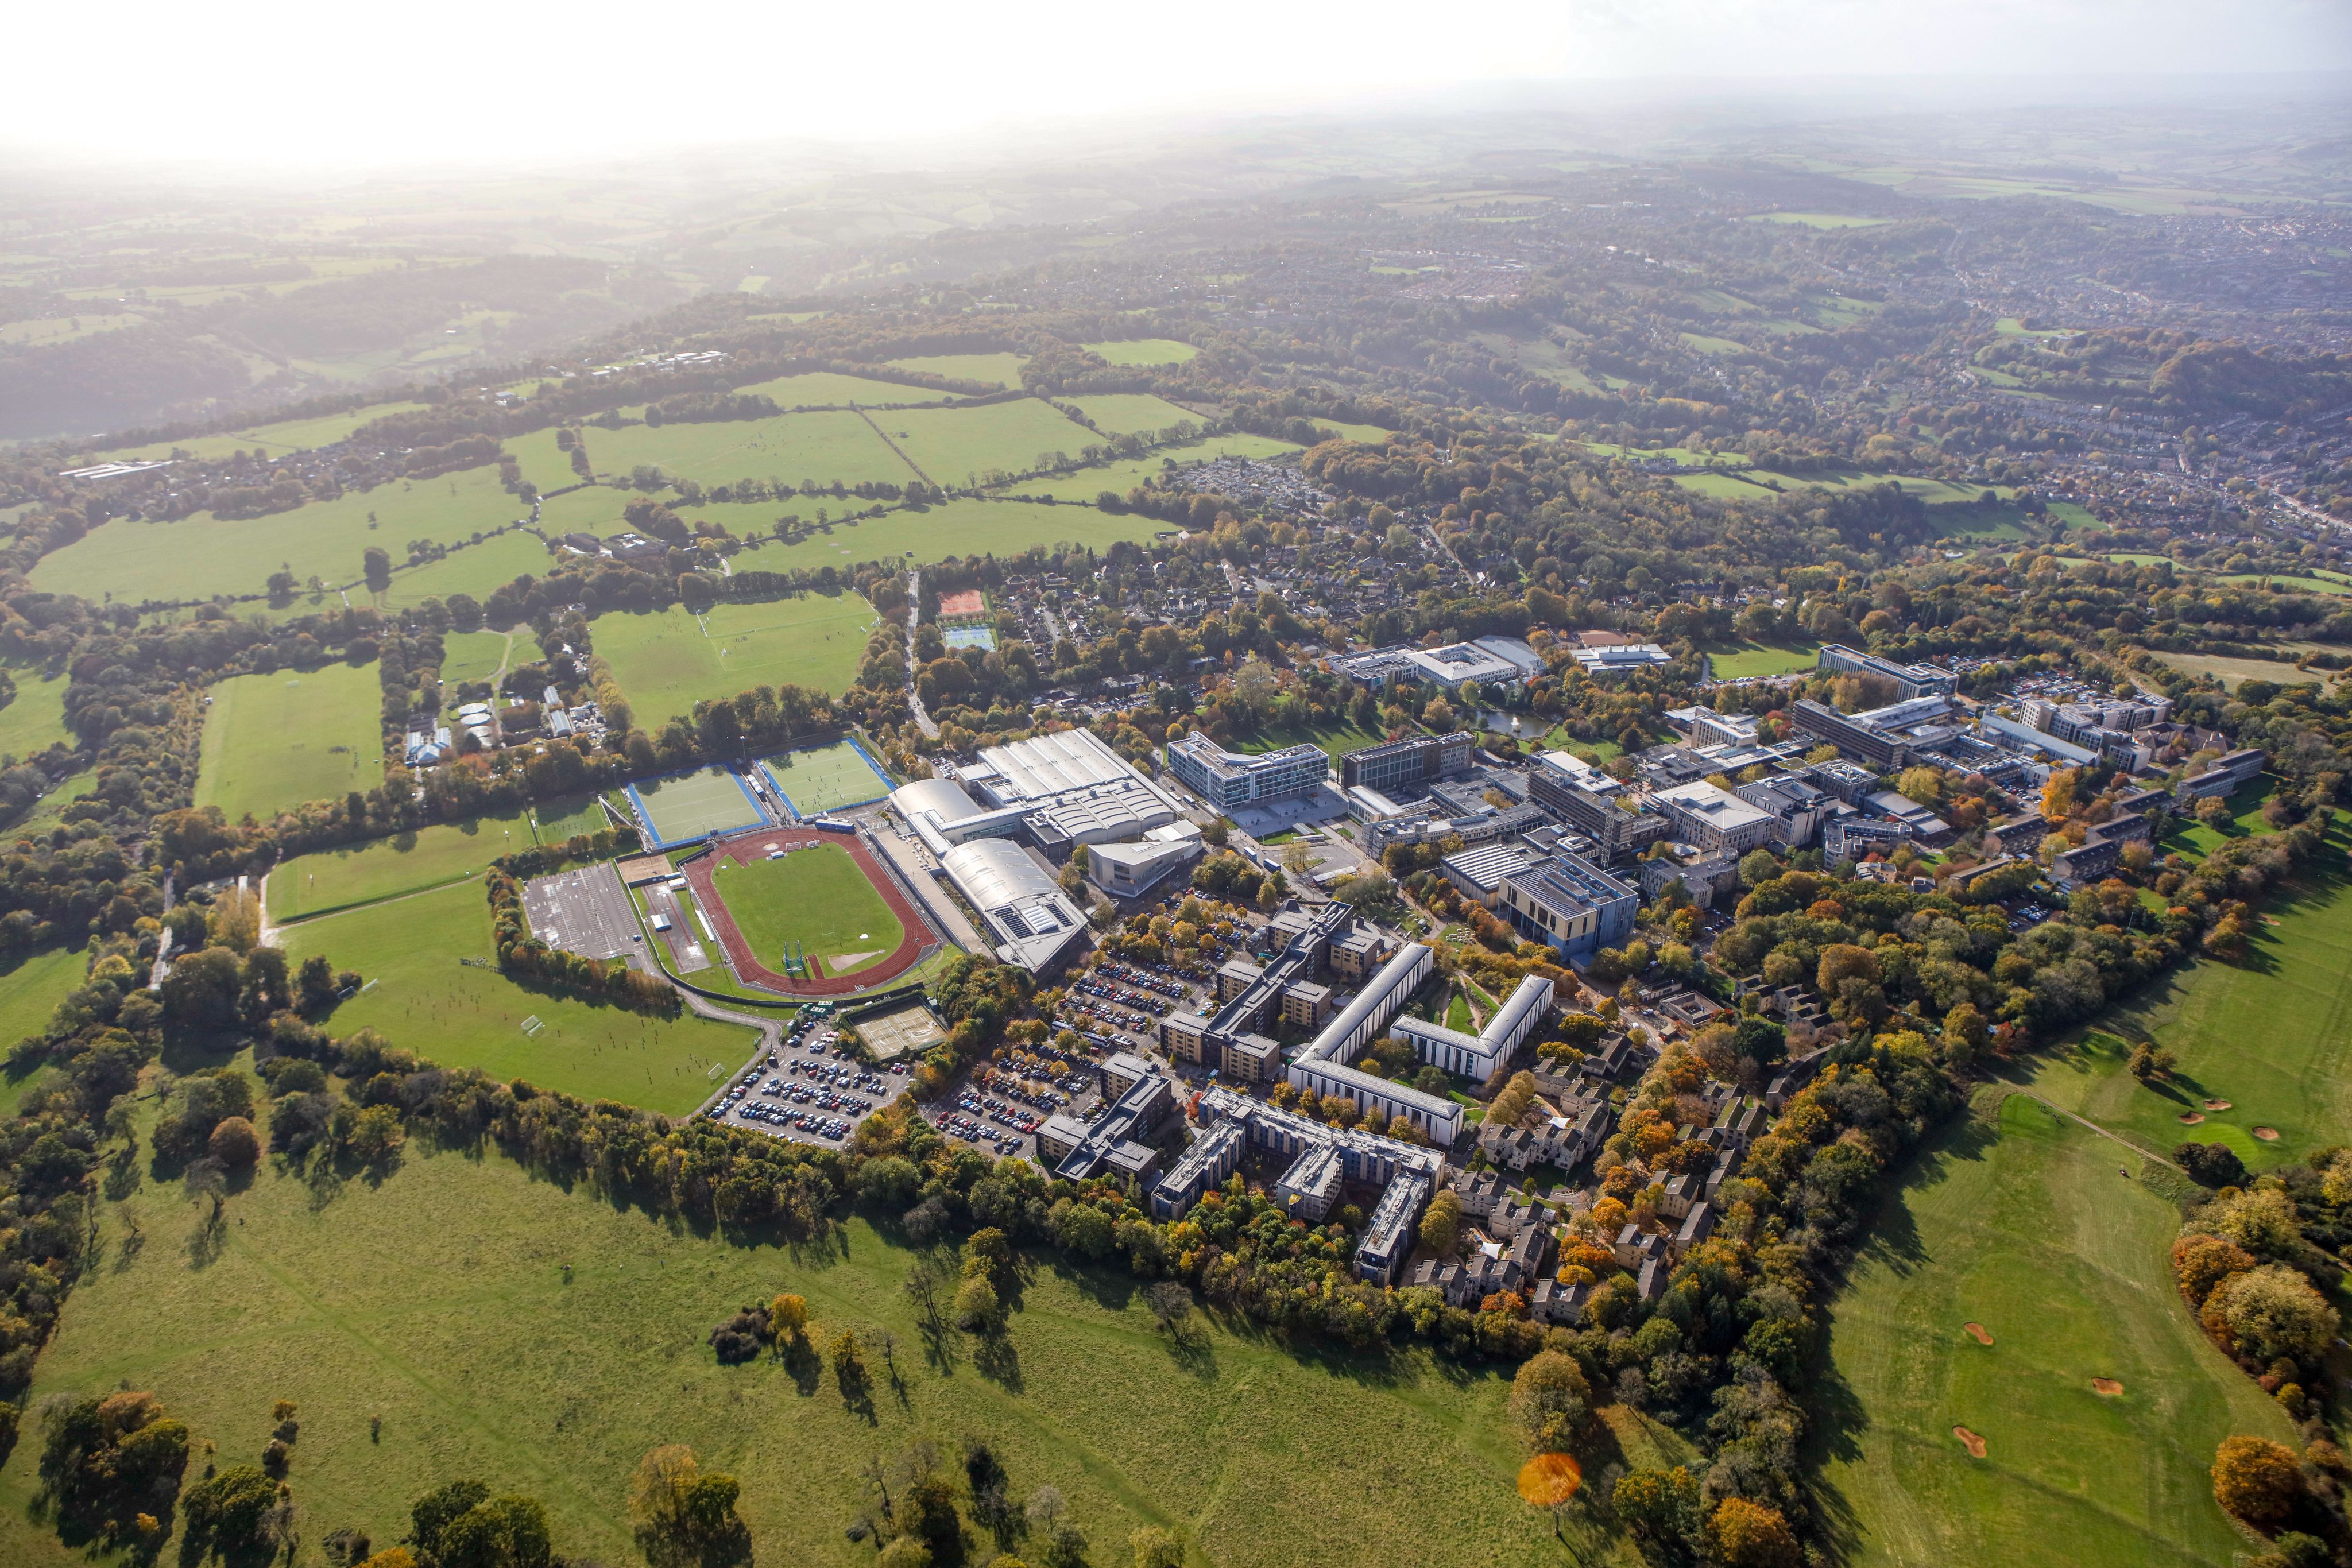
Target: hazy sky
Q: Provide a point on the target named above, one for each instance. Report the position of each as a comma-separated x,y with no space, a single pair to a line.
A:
296,81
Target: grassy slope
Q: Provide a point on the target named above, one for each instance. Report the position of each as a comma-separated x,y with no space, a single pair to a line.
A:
666,662
955,444
200,555
35,719
268,739
462,1016
482,1361
2024,1227
384,868
817,897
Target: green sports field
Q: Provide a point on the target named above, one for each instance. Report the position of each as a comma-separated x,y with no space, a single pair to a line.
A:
555,821
388,867
1144,351
35,719
468,656
200,555
668,660
694,804
2020,1223
272,742
1122,413
822,778
955,445
1001,369
818,897
1745,661
463,1016
482,1358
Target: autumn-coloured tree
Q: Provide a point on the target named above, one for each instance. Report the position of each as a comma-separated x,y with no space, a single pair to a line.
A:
1550,1401
2201,1262
683,1517
2256,1479
788,1318
1751,1535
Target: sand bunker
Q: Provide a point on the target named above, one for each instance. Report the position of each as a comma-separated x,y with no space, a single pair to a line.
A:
2192,1117
1970,1441
1984,1336
2107,1386
2267,1135
2217,1105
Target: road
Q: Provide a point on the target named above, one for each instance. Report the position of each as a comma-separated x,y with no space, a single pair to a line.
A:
923,720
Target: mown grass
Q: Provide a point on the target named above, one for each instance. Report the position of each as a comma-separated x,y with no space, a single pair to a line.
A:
792,447
666,660
819,779
387,867
1746,661
200,555
272,742
436,1300
462,1015
2021,1223
817,897
827,389
1334,738
955,445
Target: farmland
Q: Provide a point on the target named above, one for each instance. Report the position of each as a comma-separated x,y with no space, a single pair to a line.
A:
794,447
200,555
827,389
954,445
272,742
284,436
31,989
2018,1221
544,1340
665,660
818,897
388,867
462,1016
1120,413
969,526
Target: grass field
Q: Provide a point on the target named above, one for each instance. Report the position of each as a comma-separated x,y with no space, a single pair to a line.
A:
285,435
1370,434
1120,477
1817,220
479,570
2233,673
46,811
1144,351
35,718
792,447
690,805
955,446
1745,661
1334,738
821,777
1120,413
1002,370
817,897
481,1359
469,656
386,868
31,989
272,742
2314,584
954,528
1705,344
200,555
667,660
2023,1227
464,1016
2292,1074
557,821
824,389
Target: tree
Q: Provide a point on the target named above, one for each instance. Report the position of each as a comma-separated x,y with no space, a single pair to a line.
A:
200,990
1550,1401
508,1531
1751,1535
1964,1036
238,1512
2272,1312
1661,1505
2211,1164
1154,1547
977,1307
788,1318
376,567
2256,1479
235,1144
234,922
684,1518
1441,1224
429,1515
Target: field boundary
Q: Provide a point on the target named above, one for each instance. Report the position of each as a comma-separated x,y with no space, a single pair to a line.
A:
895,449
920,942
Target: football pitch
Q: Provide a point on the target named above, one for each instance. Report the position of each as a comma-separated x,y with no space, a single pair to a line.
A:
273,742
818,897
825,777
694,805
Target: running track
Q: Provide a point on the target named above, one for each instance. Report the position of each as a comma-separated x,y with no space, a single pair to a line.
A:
746,848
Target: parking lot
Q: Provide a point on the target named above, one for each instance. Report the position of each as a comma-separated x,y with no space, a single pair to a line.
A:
809,1090
585,912
1002,1104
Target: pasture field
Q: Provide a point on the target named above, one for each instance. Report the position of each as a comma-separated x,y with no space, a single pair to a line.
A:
272,742
688,806
555,821
969,526
1370,434
469,656
482,1360
1003,370
1120,477
823,446
2017,1220
31,989
2315,583
2292,1074
818,897
284,436
955,446
1144,351
35,718
460,1015
666,660
826,389
1745,661
1122,413
820,778
386,868
200,555
2234,672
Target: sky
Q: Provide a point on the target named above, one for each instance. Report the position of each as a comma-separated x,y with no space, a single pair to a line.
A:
280,83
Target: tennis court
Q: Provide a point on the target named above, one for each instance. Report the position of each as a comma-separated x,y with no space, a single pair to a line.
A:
827,777
690,806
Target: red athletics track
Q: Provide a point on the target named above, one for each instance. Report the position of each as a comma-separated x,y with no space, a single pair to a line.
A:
746,848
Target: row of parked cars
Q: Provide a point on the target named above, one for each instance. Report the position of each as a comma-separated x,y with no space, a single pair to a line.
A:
972,1130
1163,979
